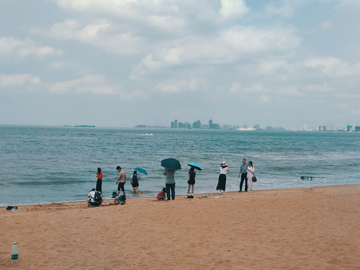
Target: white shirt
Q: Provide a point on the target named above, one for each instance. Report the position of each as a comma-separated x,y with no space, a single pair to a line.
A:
250,172
91,195
223,170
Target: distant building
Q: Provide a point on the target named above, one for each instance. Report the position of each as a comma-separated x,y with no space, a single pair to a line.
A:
188,125
257,127
197,124
210,124
182,125
357,128
349,128
269,128
175,123
172,124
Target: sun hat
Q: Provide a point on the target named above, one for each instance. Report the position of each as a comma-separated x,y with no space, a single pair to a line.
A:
223,163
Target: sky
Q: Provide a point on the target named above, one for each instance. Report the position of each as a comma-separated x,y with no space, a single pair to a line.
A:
120,63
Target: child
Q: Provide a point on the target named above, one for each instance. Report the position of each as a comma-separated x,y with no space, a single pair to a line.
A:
99,177
161,195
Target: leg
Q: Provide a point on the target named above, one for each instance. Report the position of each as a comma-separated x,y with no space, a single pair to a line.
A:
168,191
137,189
246,182
250,183
173,191
123,189
241,182
188,189
192,188
118,189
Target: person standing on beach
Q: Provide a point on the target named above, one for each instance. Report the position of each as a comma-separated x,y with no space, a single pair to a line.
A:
121,181
99,177
191,181
134,181
224,168
170,183
250,173
243,174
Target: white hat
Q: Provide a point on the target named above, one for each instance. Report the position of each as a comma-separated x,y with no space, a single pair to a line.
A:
223,163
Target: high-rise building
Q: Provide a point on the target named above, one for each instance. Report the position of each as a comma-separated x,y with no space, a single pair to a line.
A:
172,124
176,123
349,128
357,128
197,124
210,124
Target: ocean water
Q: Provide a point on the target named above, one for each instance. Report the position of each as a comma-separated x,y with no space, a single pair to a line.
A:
58,164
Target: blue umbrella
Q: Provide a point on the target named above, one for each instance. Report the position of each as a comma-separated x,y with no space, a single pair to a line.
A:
140,170
171,164
195,165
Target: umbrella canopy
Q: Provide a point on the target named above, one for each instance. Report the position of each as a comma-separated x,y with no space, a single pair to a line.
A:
140,170
195,165
171,164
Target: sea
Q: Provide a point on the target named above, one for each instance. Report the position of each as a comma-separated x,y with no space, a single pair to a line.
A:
46,164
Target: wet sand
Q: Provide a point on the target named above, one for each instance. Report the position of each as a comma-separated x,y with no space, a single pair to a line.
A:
302,228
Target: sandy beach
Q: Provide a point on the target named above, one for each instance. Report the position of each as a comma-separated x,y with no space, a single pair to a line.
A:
302,228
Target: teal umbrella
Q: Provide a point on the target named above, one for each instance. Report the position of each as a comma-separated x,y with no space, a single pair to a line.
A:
195,165
171,164
140,170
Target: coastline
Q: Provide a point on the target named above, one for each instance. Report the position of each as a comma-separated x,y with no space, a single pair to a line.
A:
296,228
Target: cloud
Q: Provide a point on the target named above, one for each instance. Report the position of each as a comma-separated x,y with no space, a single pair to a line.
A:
286,11
130,95
233,8
235,88
177,86
88,84
325,25
18,79
10,45
331,66
57,65
224,47
99,34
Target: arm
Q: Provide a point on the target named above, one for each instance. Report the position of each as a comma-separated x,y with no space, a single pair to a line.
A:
118,179
131,179
228,169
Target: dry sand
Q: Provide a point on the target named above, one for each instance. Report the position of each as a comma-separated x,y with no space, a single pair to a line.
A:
304,228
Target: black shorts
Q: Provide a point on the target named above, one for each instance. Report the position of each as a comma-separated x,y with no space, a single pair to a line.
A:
121,186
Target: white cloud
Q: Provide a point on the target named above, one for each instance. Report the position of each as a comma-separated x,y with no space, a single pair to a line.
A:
57,65
18,79
332,66
286,11
10,45
88,84
100,34
325,25
233,8
235,88
130,95
177,86
257,88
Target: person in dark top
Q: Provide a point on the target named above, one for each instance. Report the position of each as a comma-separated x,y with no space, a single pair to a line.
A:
191,181
99,177
134,181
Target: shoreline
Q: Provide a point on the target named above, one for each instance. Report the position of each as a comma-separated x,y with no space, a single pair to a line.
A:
180,195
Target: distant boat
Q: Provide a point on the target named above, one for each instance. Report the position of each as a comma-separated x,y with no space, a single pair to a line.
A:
83,126
246,129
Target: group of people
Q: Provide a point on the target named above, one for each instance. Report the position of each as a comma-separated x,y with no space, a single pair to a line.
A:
246,175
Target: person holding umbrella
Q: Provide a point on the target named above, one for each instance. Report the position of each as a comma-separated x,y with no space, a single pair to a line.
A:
170,165
224,168
191,181
192,175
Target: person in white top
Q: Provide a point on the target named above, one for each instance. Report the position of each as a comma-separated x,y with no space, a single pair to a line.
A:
224,168
250,173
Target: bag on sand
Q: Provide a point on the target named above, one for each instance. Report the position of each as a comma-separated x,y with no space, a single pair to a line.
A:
254,178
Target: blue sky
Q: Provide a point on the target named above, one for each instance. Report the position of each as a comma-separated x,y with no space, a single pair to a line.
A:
127,62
